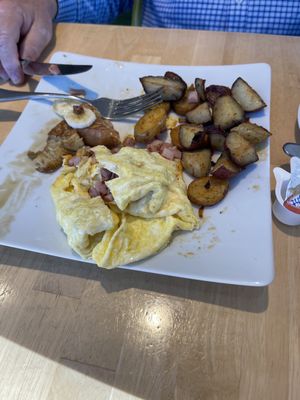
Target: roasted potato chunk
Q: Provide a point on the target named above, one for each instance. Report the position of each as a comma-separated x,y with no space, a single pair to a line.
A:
175,139
61,140
173,87
225,168
200,88
246,96
201,114
151,124
207,191
217,141
197,163
253,133
212,92
191,137
227,113
241,151
188,102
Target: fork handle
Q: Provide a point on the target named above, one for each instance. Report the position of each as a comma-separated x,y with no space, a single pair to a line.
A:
12,95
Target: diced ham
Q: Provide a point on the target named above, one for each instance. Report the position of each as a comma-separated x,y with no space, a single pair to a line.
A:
177,153
171,152
101,187
155,146
93,192
167,150
108,197
107,175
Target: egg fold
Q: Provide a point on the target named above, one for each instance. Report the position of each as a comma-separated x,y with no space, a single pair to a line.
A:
149,204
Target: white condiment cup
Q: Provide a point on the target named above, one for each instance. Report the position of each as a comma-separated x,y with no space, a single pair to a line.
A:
280,212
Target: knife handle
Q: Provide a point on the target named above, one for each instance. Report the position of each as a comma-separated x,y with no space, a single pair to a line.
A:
12,95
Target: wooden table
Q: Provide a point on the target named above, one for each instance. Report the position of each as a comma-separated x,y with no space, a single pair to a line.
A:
69,331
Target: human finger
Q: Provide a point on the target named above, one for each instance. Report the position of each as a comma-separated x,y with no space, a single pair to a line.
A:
9,54
36,39
3,75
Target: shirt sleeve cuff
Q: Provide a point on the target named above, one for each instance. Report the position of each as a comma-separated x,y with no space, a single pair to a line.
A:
67,11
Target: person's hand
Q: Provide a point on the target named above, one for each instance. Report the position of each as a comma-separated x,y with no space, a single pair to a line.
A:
25,30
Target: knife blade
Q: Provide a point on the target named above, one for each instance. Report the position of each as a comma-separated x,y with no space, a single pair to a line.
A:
38,68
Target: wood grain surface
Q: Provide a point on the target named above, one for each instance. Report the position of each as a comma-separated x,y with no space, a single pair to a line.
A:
70,331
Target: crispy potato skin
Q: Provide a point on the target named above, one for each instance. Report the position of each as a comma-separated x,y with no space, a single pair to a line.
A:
246,96
61,140
212,92
174,133
197,163
207,191
151,124
225,168
241,151
227,112
201,114
200,88
173,87
192,136
254,133
183,105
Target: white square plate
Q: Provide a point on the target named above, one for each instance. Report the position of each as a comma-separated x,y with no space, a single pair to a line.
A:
234,244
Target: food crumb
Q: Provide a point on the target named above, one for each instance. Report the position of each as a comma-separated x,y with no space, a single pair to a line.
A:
187,254
223,210
255,187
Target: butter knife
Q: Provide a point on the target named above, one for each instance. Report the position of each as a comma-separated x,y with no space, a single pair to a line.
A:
38,68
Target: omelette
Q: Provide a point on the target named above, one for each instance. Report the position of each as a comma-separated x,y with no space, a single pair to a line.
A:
120,208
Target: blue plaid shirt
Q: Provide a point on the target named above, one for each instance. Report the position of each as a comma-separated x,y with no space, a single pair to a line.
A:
260,16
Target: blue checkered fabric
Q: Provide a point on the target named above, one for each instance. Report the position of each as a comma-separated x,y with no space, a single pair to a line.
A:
91,11
258,16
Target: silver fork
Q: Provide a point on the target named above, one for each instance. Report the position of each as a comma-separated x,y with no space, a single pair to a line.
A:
109,108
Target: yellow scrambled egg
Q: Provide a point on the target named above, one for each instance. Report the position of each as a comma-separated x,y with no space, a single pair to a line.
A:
150,203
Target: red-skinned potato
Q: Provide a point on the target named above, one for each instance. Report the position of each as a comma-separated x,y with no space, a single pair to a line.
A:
253,133
212,92
227,113
173,87
246,96
191,137
200,88
241,151
201,114
217,141
197,163
225,168
188,102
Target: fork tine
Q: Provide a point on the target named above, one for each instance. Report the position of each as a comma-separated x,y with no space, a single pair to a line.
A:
142,103
138,107
135,109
